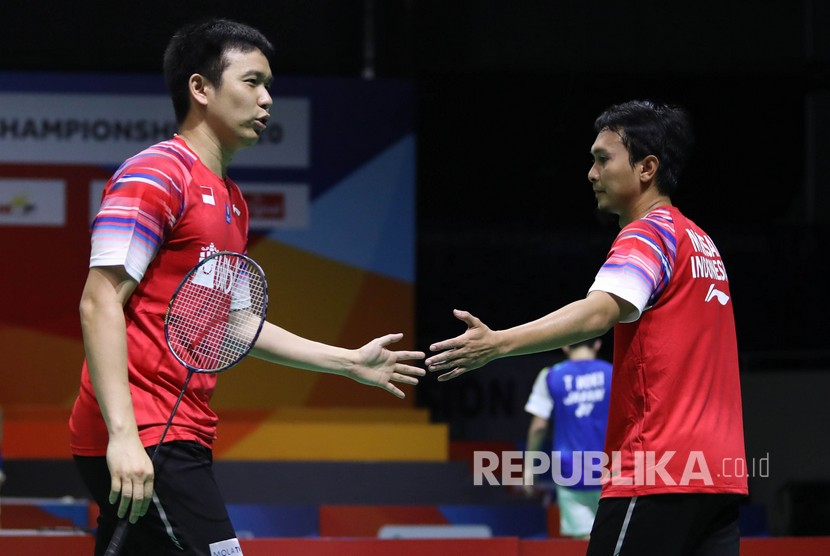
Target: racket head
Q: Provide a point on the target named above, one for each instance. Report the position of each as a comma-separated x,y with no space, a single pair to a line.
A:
216,313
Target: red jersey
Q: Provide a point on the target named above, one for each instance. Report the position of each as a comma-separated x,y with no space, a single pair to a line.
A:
675,420
161,212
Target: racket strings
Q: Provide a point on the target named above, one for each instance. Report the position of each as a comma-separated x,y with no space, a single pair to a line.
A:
216,315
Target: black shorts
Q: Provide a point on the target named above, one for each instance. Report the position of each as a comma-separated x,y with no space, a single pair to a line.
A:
667,525
187,514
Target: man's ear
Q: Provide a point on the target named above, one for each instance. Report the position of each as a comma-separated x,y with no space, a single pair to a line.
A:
648,168
198,86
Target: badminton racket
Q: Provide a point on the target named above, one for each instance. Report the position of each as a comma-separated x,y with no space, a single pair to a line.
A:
212,322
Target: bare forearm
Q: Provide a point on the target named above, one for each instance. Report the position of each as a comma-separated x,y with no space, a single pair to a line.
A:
372,364
104,333
479,344
581,320
278,345
535,439
106,354
105,345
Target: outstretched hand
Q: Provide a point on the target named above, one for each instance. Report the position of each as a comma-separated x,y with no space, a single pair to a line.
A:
379,366
471,350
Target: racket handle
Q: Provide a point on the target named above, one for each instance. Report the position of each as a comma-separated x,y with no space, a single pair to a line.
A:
114,548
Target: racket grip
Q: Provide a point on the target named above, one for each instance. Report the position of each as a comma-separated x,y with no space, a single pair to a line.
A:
118,537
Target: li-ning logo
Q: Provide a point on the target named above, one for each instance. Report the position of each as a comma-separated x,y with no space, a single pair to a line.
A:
722,298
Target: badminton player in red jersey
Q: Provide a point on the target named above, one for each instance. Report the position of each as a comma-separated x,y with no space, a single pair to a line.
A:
163,211
675,425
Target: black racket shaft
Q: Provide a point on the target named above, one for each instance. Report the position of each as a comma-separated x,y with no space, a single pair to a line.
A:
118,538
